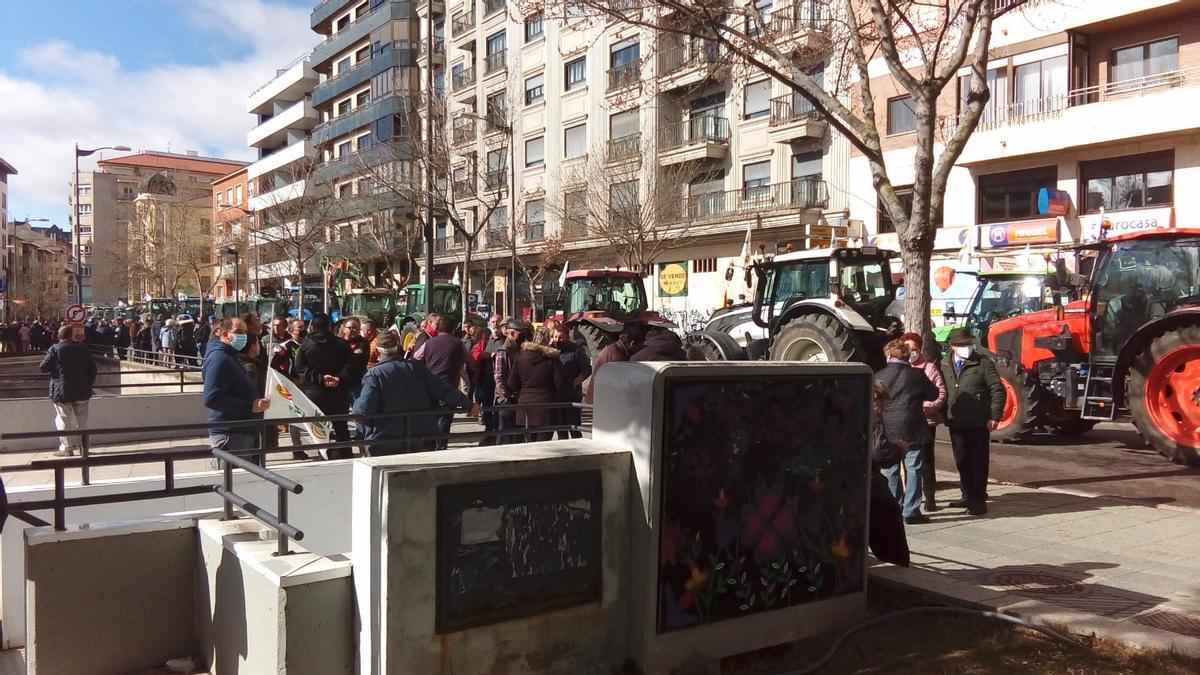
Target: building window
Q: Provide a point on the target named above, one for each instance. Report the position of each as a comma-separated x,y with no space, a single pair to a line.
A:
343,107
704,265
343,65
886,224
535,220
624,124
343,149
237,194
623,203
575,214
535,151
575,73
756,180
996,109
85,190
364,142
1146,60
497,110
85,208
498,220
534,89
363,53
205,226
757,101
229,196
533,27
1041,86
764,8
1128,182
1013,195
901,116
575,141
362,98
497,44
344,190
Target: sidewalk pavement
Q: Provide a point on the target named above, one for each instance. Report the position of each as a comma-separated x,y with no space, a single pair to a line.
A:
1126,572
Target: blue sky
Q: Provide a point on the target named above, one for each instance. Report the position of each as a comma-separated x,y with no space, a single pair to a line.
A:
150,74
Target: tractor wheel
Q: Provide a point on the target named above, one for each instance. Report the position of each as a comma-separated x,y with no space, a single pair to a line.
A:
712,346
408,335
1164,394
816,337
1024,405
593,340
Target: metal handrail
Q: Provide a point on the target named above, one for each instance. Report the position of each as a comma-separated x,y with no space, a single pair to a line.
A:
803,193
624,75
699,129
461,80
624,147
791,108
280,71
495,61
675,57
463,22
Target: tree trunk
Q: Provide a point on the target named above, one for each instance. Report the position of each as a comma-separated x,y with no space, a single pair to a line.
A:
916,293
466,279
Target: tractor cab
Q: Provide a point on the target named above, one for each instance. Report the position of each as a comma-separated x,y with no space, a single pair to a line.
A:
376,305
1003,295
620,295
845,280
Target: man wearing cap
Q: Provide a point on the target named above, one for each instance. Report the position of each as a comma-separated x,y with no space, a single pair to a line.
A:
974,406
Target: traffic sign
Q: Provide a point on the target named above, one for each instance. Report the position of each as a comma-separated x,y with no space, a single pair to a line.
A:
76,313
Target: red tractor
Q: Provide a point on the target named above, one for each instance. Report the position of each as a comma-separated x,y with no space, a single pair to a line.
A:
1132,344
600,303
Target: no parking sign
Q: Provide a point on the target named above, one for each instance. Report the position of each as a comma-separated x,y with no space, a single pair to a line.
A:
76,314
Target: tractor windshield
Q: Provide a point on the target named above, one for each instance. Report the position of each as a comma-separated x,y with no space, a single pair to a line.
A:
865,282
363,304
619,297
445,300
1139,281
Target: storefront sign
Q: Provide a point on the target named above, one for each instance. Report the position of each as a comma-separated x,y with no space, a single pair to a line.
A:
672,279
1128,222
1043,231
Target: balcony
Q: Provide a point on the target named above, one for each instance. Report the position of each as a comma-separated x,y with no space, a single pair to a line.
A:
358,31
535,232
461,80
443,244
1003,6
495,179
281,158
463,132
463,25
803,27
461,189
496,62
273,132
798,194
624,75
624,148
491,7
697,139
359,117
1090,116
397,54
290,84
794,119
439,49
681,66
278,196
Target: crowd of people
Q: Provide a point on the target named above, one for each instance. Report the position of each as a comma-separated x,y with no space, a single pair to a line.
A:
30,335
515,380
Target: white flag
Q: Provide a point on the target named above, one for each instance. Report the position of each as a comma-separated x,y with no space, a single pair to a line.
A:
562,276
288,401
455,280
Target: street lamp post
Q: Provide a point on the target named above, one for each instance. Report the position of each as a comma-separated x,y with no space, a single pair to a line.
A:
237,277
75,223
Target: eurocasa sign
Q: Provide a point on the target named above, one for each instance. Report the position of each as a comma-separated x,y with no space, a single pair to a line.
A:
1044,231
1128,222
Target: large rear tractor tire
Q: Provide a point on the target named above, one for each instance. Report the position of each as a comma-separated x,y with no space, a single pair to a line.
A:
1024,405
408,335
593,340
1164,394
712,346
819,338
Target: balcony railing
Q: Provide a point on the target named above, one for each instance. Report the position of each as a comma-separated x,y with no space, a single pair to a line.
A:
791,108
535,232
443,244
624,75
464,23
495,62
461,189
360,19
802,15
625,147
495,179
809,192
490,7
697,130
463,132
462,80
624,216
1003,6
675,57
439,47
1020,112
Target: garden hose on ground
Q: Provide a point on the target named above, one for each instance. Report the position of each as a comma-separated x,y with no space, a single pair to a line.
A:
924,610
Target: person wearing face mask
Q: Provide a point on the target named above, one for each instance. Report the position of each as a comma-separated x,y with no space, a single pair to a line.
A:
229,393
904,421
974,406
932,409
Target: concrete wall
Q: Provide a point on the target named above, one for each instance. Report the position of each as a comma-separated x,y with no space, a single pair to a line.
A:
322,511
257,613
130,410
109,598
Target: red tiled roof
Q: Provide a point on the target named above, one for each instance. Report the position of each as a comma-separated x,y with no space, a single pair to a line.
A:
162,160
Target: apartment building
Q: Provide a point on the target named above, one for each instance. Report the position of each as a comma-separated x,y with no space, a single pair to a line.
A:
276,186
6,258
600,129
232,225
112,229
41,275
1092,112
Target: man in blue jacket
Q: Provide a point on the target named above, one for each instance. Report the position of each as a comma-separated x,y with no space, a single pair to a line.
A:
229,393
395,385
72,373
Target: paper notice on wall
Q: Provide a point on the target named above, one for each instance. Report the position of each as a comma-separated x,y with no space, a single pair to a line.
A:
480,526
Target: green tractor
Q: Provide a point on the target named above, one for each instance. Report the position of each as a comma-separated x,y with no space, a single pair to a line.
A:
377,305
1002,295
447,300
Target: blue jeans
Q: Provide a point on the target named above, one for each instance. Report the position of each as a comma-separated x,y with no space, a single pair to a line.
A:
232,443
914,462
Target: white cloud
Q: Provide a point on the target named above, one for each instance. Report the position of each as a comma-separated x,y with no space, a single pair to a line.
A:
62,95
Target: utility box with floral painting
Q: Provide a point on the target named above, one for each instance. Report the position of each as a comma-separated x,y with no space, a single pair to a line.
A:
750,501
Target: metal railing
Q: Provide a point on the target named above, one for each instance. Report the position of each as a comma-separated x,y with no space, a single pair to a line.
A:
344,74
791,108
464,22
800,193
675,57
699,130
1003,6
803,15
625,147
338,33
624,75
442,244
439,47
1019,112
281,71
463,79
494,179
535,232
461,189
496,238
9,386
251,461
463,131
495,62
490,7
